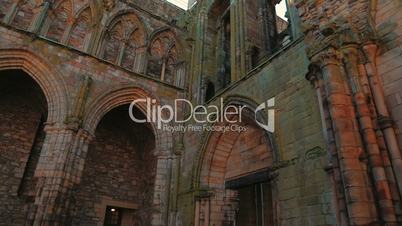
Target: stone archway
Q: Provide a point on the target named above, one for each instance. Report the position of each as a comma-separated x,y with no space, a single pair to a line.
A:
23,111
234,179
42,152
163,140
120,96
48,79
118,178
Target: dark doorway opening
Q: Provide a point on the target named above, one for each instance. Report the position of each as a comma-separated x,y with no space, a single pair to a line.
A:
113,216
255,205
254,200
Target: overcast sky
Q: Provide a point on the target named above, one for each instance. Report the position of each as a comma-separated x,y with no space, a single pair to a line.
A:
181,3
280,8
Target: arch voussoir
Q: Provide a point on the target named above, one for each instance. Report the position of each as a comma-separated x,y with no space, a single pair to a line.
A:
49,80
121,96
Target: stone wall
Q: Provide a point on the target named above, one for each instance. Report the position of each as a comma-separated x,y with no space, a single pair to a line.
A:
118,32
303,189
80,88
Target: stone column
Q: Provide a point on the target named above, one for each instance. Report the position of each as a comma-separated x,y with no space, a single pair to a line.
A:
358,195
234,70
175,178
11,13
384,119
61,163
74,168
315,77
201,27
242,39
58,171
383,193
66,35
50,173
202,208
140,61
161,188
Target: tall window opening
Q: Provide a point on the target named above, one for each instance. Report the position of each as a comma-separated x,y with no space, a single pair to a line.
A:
219,29
267,29
123,42
210,91
282,24
225,70
163,61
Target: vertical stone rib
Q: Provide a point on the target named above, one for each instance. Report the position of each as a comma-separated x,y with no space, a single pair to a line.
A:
51,172
358,196
376,164
384,119
315,77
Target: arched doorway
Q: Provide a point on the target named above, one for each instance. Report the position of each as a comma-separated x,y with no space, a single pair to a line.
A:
118,178
235,185
23,111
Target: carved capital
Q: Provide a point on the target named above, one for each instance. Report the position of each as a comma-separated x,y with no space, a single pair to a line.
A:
86,135
60,127
329,168
109,4
313,74
327,57
203,194
351,53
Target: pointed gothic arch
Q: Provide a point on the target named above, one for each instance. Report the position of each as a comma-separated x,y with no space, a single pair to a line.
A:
50,81
123,40
120,96
164,57
230,161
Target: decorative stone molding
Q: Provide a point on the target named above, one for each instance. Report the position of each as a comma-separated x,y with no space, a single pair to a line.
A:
109,4
385,122
313,74
328,56
80,101
48,78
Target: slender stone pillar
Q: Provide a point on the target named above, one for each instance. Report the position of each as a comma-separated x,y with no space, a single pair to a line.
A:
175,179
66,35
234,21
201,28
140,61
50,173
383,193
315,77
40,17
59,174
162,185
242,39
384,118
11,13
358,195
